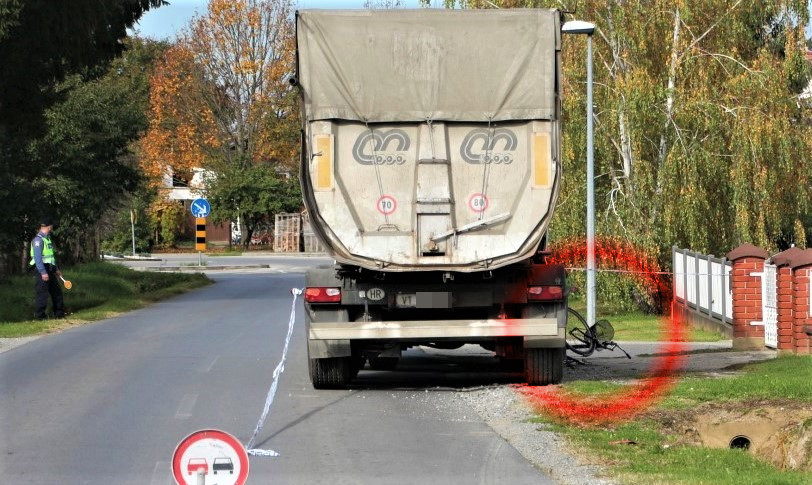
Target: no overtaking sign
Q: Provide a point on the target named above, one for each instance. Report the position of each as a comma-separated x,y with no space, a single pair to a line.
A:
217,454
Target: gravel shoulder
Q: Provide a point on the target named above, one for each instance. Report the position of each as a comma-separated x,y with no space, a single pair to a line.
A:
505,412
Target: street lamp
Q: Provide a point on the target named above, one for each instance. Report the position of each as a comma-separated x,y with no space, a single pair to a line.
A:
588,28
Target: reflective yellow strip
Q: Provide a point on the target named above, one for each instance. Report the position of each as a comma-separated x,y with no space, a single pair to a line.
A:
541,160
200,233
324,162
200,247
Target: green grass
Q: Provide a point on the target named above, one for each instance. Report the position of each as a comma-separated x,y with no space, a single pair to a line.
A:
641,327
100,290
659,457
785,378
225,252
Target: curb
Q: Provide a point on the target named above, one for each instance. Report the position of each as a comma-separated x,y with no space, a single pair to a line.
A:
125,258
197,269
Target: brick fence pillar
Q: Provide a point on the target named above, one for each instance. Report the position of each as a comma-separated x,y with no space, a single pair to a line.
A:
801,287
786,307
747,259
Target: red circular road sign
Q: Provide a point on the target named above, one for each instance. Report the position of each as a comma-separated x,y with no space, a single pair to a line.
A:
387,205
221,457
478,202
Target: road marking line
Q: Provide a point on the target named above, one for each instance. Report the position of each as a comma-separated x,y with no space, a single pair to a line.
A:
186,405
161,474
236,337
208,369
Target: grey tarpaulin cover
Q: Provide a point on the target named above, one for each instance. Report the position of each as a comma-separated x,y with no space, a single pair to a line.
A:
414,65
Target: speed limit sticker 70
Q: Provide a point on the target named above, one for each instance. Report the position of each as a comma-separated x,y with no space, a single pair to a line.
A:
387,205
478,202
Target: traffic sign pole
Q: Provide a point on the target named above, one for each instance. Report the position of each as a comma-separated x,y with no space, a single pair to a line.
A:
200,238
200,209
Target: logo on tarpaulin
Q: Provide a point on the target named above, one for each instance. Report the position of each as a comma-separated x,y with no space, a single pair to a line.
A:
381,147
489,146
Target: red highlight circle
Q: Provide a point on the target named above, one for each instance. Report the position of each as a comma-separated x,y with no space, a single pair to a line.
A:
662,374
478,202
216,434
386,205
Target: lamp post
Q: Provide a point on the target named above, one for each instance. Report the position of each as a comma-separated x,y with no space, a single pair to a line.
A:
588,28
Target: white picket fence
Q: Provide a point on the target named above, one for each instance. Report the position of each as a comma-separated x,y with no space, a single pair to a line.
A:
702,283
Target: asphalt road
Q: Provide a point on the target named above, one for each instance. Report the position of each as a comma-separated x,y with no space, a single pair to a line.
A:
108,402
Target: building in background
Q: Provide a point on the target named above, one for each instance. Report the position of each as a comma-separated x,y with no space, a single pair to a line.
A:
186,187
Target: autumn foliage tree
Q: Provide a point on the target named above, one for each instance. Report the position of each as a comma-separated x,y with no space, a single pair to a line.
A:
221,99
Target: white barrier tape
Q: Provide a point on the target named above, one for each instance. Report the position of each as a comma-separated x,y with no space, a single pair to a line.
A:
280,368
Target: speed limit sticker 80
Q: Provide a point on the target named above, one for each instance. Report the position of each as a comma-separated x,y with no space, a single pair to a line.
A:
478,202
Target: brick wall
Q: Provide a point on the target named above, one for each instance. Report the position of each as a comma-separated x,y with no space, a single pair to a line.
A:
801,311
794,279
746,288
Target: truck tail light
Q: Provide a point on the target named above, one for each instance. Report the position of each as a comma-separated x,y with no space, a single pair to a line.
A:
545,293
323,295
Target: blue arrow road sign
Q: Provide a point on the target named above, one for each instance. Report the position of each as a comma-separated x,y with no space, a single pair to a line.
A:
200,208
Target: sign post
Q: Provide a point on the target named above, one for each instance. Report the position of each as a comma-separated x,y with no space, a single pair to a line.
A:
200,238
200,209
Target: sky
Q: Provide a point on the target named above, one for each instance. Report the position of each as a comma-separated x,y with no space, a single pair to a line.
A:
164,22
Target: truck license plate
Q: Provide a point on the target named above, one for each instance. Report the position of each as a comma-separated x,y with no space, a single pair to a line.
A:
406,300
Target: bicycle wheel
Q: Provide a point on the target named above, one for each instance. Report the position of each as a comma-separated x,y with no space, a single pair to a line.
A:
579,337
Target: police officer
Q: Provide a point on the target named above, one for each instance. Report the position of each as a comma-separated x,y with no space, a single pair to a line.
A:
44,261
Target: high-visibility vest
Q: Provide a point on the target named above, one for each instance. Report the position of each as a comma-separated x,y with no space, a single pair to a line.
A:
47,251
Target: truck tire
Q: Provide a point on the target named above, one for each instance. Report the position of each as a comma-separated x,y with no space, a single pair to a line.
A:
331,373
383,363
358,362
543,366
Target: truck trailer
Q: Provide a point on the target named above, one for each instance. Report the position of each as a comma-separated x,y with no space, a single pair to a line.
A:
431,164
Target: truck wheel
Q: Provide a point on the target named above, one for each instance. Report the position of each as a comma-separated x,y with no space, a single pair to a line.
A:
358,363
331,373
383,363
543,366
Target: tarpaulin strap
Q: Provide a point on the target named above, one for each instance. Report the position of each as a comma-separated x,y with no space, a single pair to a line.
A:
377,168
486,162
280,368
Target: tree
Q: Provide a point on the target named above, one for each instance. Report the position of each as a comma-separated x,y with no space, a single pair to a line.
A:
373,4
251,192
182,132
221,100
41,42
244,53
88,146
